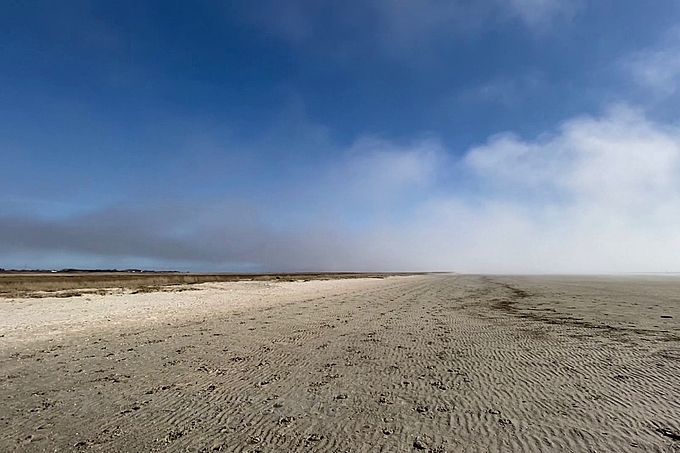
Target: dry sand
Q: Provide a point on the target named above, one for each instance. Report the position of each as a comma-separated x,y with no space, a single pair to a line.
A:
430,363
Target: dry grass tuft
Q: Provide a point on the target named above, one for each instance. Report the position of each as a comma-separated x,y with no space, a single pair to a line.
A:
25,285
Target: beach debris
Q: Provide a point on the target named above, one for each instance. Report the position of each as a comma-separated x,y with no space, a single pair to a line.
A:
419,444
173,435
385,399
668,433
286,420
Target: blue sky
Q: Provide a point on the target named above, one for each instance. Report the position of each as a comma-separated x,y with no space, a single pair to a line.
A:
474,136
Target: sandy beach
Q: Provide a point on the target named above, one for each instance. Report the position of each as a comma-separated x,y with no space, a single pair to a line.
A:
438,363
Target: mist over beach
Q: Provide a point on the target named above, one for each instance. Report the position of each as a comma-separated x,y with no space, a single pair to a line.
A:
495,137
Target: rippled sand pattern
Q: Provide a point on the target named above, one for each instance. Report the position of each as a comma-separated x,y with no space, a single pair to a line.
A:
438,363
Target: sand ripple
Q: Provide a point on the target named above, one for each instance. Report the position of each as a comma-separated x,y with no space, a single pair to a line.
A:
429,363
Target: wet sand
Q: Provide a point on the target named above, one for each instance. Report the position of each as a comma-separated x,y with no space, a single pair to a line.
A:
440,363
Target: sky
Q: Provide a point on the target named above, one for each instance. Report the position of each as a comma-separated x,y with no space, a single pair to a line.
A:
487,136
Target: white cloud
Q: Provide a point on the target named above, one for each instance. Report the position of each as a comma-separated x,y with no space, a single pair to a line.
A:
621,159
658,67
396,27
378,168
411,19
613,204
406,24
539,13
597,195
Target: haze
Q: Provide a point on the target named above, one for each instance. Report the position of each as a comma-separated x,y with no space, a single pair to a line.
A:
533,136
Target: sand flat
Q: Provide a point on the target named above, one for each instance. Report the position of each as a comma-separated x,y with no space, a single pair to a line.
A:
422,363
27,320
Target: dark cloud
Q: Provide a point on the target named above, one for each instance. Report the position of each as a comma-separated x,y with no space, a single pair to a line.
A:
216,236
